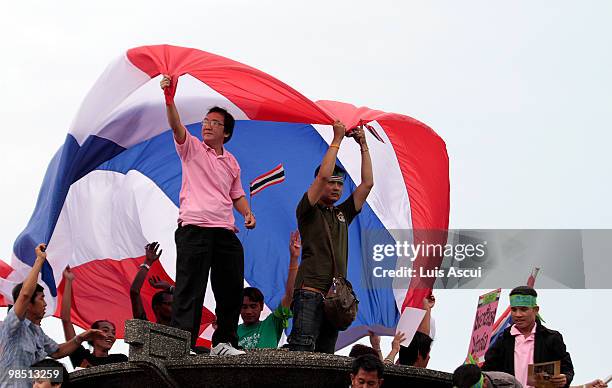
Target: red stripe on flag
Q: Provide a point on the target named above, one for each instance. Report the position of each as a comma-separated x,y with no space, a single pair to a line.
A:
5,269
259,95
500,321
101,290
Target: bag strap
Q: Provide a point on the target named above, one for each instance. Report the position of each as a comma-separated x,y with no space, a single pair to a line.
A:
331,245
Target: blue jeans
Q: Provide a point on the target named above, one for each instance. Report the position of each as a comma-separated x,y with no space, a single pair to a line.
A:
311,331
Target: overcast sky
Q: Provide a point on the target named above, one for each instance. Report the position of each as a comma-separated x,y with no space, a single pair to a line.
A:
520,91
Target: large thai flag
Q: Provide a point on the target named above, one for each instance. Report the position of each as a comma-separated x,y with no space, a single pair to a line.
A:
114,184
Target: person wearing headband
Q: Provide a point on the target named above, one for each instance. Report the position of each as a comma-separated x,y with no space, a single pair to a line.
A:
471,376
527,342
324,230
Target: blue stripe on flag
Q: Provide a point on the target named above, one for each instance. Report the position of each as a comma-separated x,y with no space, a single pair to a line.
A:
70,163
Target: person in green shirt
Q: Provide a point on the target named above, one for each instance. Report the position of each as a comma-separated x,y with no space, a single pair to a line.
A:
253,333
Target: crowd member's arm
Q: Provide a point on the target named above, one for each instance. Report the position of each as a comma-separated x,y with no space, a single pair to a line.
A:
327,165
151,256
593,384
174,120
295,246
425,326
395,347
69,332
367,177
69,347
375,342
29,284
242,206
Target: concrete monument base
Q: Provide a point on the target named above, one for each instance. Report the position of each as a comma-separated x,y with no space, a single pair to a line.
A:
159,357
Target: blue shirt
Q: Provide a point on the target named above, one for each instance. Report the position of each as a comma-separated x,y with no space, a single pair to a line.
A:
22,344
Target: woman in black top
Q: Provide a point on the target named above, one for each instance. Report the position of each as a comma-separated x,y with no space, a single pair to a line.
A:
82,357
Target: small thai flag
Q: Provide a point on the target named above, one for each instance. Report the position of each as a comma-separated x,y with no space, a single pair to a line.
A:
276,175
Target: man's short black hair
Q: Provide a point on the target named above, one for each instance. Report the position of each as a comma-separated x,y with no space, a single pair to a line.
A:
158,298
338,171
254,294
360,350
466,375
17,290
420,344
96,324
523,290
368,363
228,121
51,363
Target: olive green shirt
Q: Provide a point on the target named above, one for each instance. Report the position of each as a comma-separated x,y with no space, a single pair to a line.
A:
316,266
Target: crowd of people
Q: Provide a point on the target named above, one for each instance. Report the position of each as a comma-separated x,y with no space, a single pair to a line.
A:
207,247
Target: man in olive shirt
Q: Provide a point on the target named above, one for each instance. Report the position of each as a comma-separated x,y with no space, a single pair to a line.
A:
324,230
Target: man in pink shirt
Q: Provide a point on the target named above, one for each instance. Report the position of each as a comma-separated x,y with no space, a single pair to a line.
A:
206,236
527,341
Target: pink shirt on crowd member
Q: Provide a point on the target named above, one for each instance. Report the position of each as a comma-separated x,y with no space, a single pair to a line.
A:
210,184
523,354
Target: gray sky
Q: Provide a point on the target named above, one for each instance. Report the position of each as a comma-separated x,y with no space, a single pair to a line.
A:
520,91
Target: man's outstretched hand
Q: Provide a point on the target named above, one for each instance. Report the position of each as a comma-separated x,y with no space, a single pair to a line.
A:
165,82
151,254
249,220
92,334
359,135
339,131
40,251
159,284
68,274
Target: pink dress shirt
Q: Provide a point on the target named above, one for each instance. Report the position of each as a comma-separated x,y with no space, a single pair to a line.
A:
210,184
523,354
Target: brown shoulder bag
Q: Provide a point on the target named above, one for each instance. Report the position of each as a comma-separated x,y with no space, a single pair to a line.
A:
340,303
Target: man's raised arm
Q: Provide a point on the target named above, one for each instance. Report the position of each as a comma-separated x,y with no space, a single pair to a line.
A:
295,246
29,284
174,120
151,256
327,165
69,332
367,177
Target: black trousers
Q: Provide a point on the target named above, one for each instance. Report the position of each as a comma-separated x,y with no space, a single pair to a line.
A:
198,252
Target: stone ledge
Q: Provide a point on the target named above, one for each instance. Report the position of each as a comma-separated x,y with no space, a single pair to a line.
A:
263,368
149,340
159,357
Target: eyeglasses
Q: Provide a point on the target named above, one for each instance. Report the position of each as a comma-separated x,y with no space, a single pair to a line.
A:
213,123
